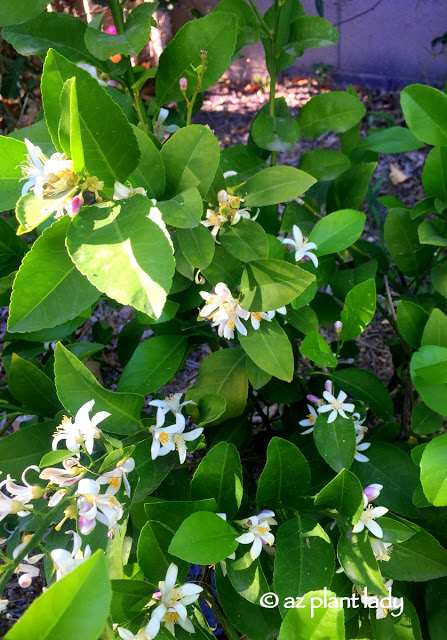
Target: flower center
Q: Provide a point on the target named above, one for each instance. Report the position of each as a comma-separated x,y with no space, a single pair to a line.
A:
311,418
164,437
114,482
170,616
257,315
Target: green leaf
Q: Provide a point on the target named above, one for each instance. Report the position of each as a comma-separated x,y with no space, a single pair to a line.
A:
62,31
150,172
110,147
335,441
54,457
197,245
48,289
153,364
411,319
312,620
401,237
433,471
365,386
394,469
304,559
129,597
123,235
359,309
210,407
274,185
70,127
310,32
12,248
246,240
395,530
337,231
37,133
223,374
345,494
435,331
151,473
83,595
304,318
257,376
204,538
399,626
76,385
390,140
434,175
137,32
269,348
214,33
173,513
247,25
271,284
324,164
256,622
274,133
419,558
432,232
435,607
20,11
285,477
425,112
348,191
32,211
356,556
184,210
31,387
190,157
425,421
247,576
12,154
438,276
25,447
219,476
315,348
224,268
334,111
428,369
154,556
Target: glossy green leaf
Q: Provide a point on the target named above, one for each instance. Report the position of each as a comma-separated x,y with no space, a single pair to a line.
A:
184,210
12,154
401,626
337,231
76,385
223,374
173,513
274,185
246,241
365,386
153,363
335,441
436,609
348,191
21,11
31,387
257,376
83,595
224,268
204,538
315,348
214,33
434,472
122,234
246,575
435,330
345,494
191,157
219,476
411,319
304,559
12,248
424,420
70,126
432,232
270,284
438,276
137,32
285,477
48,289
356,556
395,530
394,469
154,556
310,32
313,619
128,599
324,164
197,245
247,25
32,211
390,140
150,172
428,369
419,558
334,111
274,133
210,407
25,447
434,175
269,348
401,238
359,309
110,147
425,112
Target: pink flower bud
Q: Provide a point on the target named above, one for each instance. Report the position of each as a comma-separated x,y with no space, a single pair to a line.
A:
110,534
86,526
111,30
183,84
328,386
25,581
372,491
338,326
313,399
156,595
74,206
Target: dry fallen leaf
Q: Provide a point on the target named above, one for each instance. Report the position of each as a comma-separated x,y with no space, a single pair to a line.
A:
396,175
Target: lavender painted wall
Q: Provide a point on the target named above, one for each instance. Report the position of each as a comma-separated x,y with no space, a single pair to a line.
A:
387,46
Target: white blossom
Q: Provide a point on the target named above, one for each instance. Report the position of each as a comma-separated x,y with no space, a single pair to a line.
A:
9,505
26,492
26,566
336,405
359,447
171,404
64,561
121,192
161,129
258,532
382,604
82,431
71,473
382,550
48,177
302,248
93,71
114,478
94,507
368,519
358,423
309,420
214,220
167,439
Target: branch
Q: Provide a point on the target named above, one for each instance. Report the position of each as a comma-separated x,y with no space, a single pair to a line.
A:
359,15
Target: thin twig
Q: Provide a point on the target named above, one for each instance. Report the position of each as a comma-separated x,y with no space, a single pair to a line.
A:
359,15
390,299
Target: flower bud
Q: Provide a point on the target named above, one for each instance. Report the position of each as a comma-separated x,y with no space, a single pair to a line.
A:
183,84
328,386
222,197
313,399
372,491
25,581
111,30
338,326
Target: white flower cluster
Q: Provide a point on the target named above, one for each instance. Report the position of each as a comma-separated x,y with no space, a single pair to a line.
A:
229,211
227,314
170,438
302,248
337,407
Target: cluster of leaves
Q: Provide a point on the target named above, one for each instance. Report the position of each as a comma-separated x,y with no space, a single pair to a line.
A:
152,248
